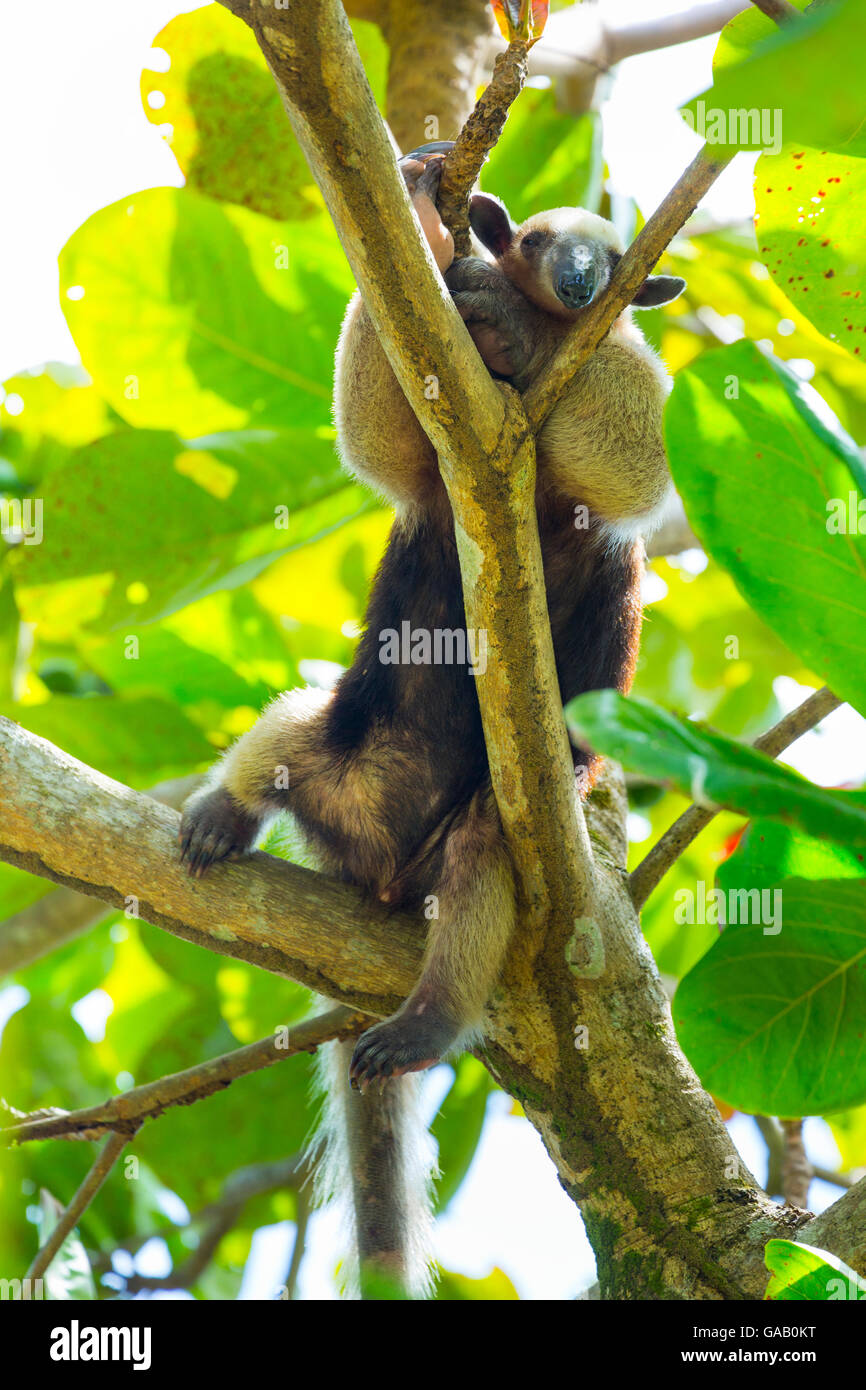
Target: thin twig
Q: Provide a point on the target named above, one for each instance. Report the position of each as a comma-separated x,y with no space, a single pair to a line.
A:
302,1221
125,1113
102,1166
796,1168
771,1133
463,164
679,836
780,11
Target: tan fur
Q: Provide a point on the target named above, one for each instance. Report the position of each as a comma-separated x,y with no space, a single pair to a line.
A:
380,440
605,448
468,940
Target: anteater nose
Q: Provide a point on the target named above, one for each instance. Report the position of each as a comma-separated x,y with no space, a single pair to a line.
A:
574,288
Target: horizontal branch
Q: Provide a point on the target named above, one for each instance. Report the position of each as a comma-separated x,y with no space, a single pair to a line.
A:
65,821
62,915
679,836
123,1114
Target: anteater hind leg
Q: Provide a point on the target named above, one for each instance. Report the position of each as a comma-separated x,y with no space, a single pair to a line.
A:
466,947
224,818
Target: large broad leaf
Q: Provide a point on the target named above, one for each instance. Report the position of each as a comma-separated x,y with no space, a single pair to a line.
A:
44,415
810,211
220,109
137,741
176,520
806,77
764,478
458,1125
198,317
805,1272
771,1018
713,770
724,275
770,851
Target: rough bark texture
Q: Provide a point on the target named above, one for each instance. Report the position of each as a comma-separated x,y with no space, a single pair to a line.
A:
66,822
439,53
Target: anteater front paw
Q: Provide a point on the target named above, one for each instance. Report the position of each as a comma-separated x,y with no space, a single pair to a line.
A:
406,1042
213,827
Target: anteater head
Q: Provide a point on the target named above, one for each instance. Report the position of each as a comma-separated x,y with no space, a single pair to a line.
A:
562,260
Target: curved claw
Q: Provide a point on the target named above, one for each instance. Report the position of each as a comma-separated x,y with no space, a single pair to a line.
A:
213,828
404,1043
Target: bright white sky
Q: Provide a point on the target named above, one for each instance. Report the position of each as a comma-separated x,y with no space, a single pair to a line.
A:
76,139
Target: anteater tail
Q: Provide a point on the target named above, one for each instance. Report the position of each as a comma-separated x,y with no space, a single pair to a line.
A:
374,1157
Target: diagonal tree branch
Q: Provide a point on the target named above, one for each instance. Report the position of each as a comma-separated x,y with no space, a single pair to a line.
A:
124,1114
841,1228
679,836
102,1166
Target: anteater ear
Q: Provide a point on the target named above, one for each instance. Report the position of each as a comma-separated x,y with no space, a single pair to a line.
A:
658,289
490,222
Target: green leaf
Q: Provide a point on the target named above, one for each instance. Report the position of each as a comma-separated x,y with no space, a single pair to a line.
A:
69,1274
805,1272
807,77
177,520
771,1018
714,770
201,317
494,1287
764,478
849,1131
545,158
458,1125
725,275
56,411
138,741
223,109
770,851
810,233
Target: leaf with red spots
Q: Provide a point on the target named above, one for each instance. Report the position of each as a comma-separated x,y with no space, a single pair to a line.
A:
811,207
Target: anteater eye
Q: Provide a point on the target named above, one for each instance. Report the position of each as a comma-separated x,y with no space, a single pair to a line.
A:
531,241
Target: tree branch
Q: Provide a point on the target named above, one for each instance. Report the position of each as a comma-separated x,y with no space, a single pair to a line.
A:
62,915
102,1166
679,836
439,56
480,133
124,1114
780,11
796,1168
64,821
484,446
